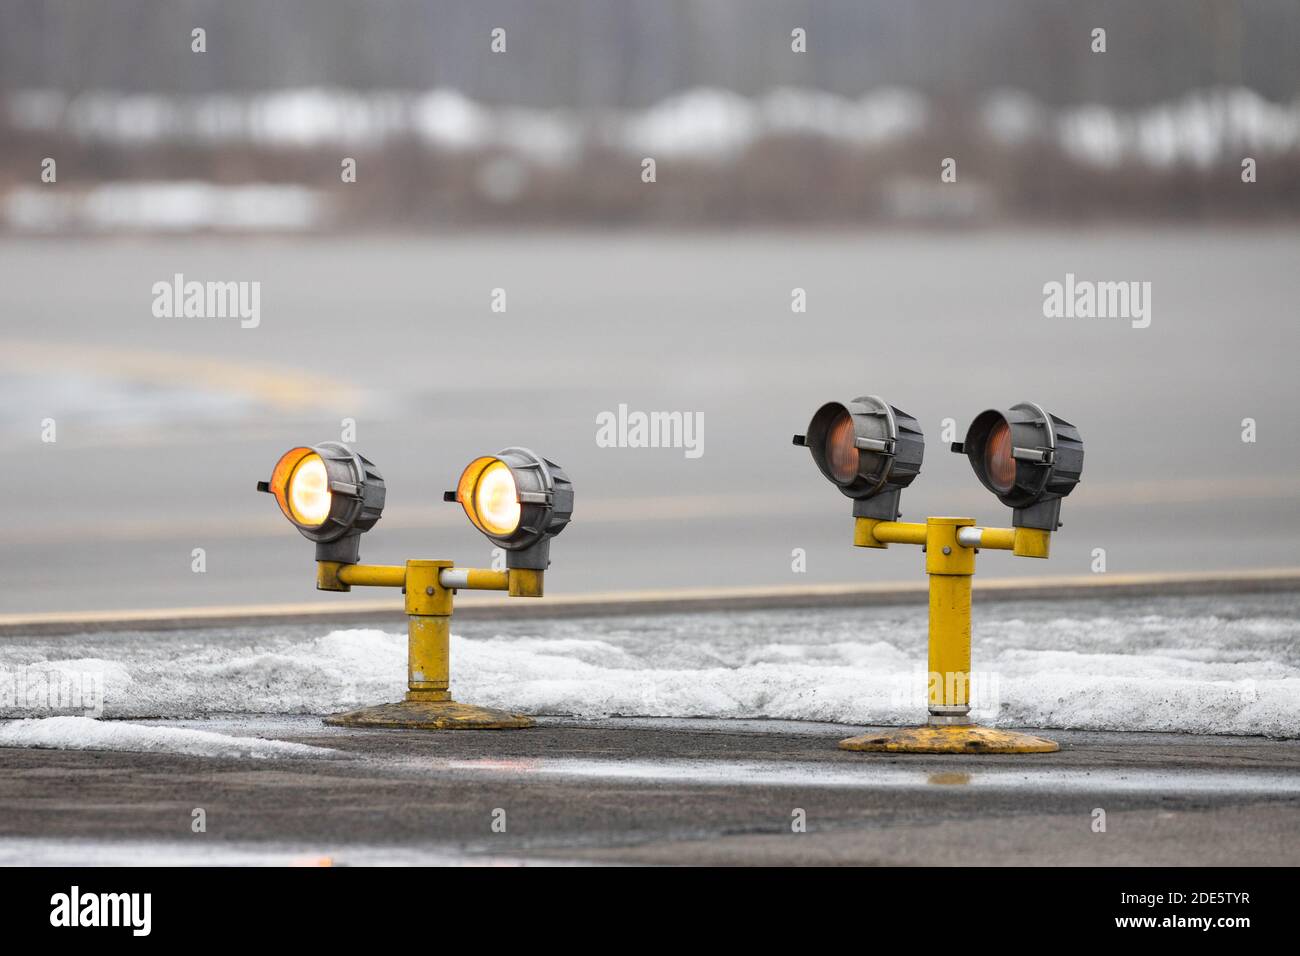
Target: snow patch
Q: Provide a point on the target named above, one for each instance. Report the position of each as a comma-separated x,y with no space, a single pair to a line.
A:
1187,665
84,733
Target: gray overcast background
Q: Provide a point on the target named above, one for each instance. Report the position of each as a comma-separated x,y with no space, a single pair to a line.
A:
665,296
631,52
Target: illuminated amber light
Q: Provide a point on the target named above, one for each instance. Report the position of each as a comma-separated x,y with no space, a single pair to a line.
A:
309,492
497,500
488,493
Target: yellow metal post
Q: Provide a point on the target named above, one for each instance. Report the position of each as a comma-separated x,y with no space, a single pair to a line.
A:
428,704
373,575
949,645
525,583
428,608
950,566
1031,543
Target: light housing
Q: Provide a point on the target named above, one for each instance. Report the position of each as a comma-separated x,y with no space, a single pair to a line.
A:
869,449
1028,457
330,494
519,500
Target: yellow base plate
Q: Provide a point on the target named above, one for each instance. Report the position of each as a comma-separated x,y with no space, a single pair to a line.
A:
431,715
967,739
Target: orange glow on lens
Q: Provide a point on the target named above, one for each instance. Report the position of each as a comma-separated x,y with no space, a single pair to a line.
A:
841,453
309,493
496,500
999,466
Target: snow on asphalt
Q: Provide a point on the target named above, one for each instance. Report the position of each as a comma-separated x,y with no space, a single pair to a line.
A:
1195,665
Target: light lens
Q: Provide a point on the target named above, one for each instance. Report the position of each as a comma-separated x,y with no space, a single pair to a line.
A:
496,499
309,492
842,455
999,466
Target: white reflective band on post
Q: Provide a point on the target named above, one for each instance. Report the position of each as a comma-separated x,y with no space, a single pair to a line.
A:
454,578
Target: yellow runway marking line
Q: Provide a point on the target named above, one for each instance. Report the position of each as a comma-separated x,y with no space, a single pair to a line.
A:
283,388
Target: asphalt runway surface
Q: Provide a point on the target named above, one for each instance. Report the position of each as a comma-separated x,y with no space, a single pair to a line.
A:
654,792
164,425
286,789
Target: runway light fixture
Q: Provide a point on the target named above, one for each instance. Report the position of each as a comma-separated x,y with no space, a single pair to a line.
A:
331,494
1028,457
520,500
869,449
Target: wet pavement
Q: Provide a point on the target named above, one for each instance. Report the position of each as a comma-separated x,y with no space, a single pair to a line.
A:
655,791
